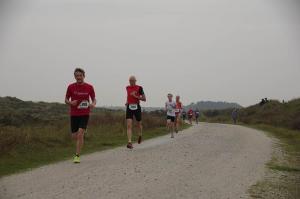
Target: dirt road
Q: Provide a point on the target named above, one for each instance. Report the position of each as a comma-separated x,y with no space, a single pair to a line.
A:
206,161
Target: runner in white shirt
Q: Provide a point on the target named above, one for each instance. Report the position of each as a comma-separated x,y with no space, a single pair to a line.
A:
171,114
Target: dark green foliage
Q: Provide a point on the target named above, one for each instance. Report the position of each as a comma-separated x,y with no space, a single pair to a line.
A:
209,105
273,113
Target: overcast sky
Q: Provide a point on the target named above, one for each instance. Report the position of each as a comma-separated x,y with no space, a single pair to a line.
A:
221,50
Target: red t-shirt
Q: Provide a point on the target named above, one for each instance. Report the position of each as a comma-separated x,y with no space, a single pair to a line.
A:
191,112
178,108
80,92
134,89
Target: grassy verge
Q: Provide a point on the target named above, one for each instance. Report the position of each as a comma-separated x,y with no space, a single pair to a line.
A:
282,122
32,146
283,177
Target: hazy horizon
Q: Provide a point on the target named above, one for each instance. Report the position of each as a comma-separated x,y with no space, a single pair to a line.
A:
204,50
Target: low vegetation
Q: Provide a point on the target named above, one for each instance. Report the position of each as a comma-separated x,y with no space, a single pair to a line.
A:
273,113
210,105
34,134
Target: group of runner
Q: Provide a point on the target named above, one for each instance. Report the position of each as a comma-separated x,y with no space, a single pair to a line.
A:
81,98
192,115
173,110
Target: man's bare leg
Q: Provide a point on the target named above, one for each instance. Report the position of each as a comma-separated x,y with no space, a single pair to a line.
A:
129,130
171,128
140,131
140,128
80,141
177,124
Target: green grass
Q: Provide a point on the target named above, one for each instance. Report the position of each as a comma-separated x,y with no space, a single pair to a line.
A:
283,178
283,168
35,134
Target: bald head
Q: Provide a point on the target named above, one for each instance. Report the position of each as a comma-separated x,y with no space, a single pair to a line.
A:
132,80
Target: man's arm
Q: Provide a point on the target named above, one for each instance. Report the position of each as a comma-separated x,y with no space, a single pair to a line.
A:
93,104
67,101
93,98
67,98
142,96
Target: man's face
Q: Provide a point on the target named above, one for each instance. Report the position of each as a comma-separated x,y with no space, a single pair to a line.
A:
170,97
132,82
79,77
177,98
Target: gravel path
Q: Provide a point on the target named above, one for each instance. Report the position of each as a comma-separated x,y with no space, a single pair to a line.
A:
205,161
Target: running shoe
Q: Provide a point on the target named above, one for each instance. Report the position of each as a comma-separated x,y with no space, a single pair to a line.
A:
76,159
140,139
129,146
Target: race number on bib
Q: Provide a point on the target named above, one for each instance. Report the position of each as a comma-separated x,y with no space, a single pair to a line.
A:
133,107
177,110
84,105
170,111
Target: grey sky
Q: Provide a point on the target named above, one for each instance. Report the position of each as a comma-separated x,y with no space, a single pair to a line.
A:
231,50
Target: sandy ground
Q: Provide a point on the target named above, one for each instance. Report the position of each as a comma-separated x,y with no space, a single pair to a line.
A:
205,161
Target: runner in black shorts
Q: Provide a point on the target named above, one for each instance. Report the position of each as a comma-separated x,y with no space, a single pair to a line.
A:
197,115
79,122
78,98
171,118
137,114
170,107
135,94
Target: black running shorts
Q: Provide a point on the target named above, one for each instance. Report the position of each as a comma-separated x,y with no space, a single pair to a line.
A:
172,118
79,122
134,113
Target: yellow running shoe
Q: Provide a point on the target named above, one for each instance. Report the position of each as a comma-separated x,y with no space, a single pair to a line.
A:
76,159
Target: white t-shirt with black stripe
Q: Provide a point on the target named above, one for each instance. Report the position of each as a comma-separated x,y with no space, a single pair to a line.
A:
171,108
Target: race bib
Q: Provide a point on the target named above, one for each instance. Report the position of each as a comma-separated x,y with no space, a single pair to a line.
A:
133,107
171,111
177,110
84,105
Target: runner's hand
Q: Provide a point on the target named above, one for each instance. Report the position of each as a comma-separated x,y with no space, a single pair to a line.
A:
134,94
92,105
74,102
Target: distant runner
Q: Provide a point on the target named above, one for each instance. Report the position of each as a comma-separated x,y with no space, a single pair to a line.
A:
171,116
197,115
234,115
190,115
135,94
78,98
178,113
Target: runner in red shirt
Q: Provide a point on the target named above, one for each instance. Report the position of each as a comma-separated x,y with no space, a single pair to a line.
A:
135,94
178,113
78,98
191,115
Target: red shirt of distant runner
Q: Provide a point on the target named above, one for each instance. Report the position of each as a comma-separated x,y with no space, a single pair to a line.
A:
134,89
178,108
191,113
80,92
